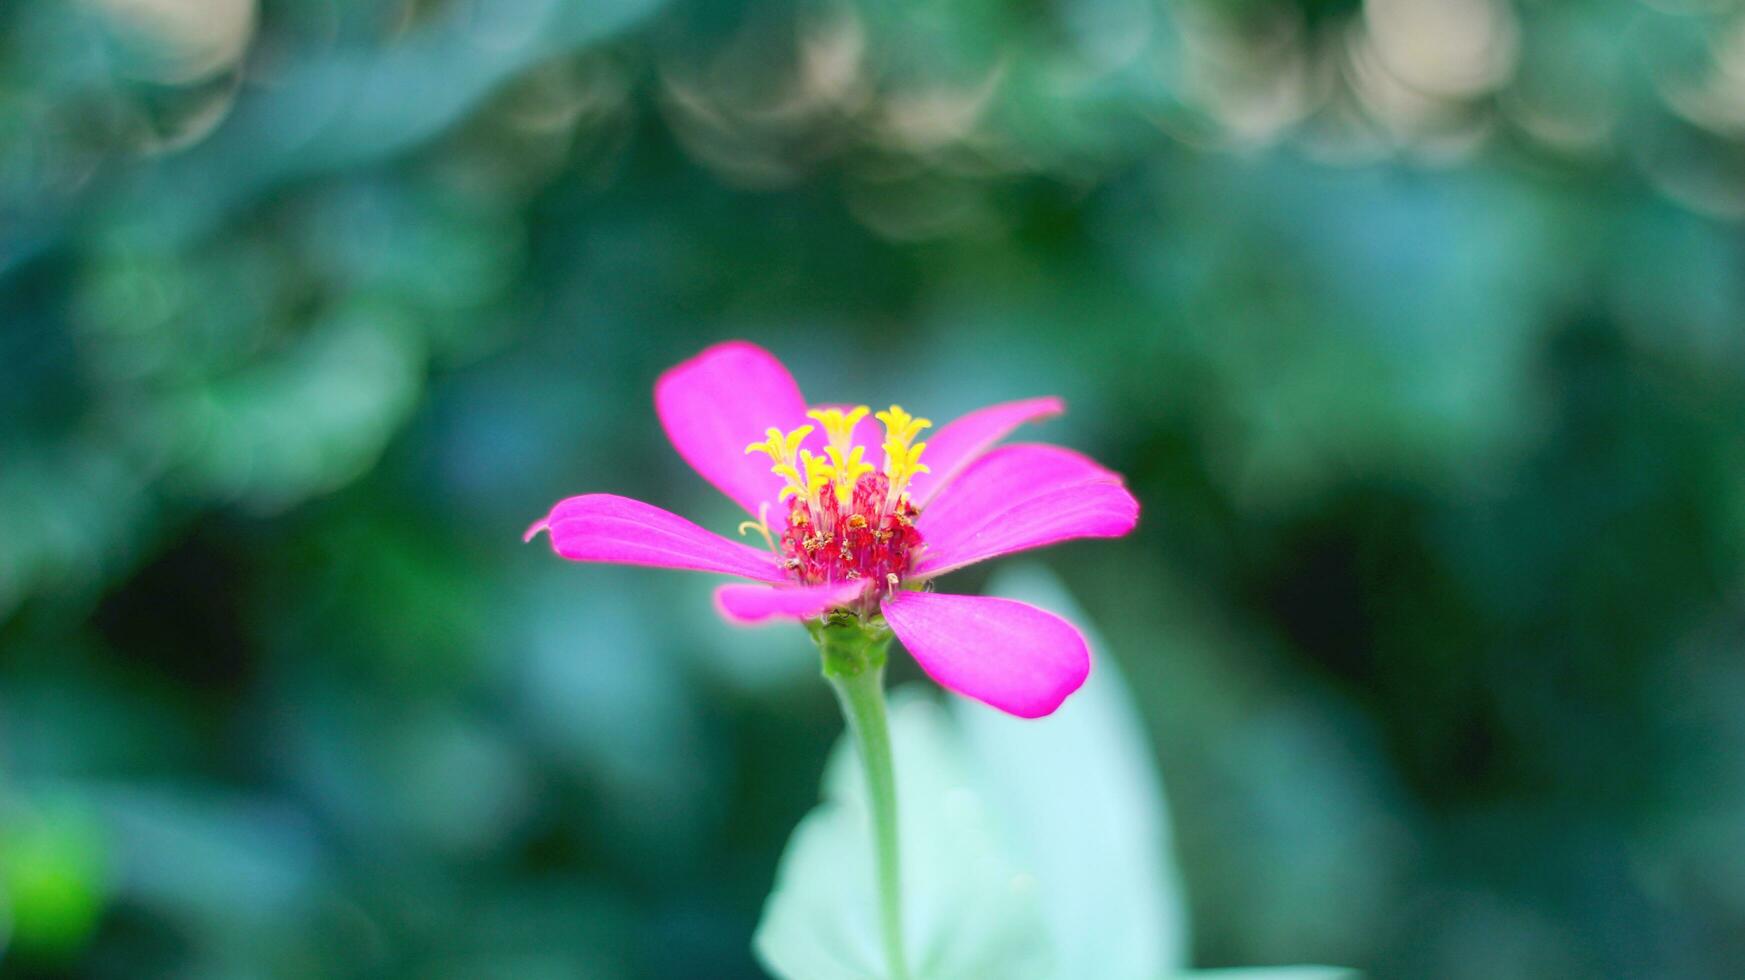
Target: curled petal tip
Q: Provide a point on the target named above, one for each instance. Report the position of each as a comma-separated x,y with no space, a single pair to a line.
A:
603,527
538,526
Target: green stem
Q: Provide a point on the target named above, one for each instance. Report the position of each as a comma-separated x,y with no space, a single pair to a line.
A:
854,664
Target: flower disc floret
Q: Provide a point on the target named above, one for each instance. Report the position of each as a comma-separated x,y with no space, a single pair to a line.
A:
863,530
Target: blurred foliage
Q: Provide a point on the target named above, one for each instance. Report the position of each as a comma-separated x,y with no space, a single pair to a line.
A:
1416,325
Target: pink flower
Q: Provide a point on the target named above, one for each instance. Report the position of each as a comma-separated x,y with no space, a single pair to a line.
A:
854,523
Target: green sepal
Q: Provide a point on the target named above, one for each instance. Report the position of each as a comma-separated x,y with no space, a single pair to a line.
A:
850,646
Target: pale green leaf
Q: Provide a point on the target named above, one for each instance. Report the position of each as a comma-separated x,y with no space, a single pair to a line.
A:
1082,808
1272,973
969,912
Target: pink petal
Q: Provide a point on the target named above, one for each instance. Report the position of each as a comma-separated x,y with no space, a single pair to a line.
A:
607,528
1002,652
1021,497
717,403
746,604
964,439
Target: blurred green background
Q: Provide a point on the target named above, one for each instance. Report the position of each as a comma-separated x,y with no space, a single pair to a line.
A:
1415,324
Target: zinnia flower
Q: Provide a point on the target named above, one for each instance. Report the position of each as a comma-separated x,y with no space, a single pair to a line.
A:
857,525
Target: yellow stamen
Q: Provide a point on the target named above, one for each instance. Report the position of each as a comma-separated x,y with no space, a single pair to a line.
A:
845,466
785,457
839,425
846,470
819,473
761,526
902,452
900,426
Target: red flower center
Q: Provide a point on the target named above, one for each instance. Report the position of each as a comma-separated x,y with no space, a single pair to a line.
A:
848,520
872,538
